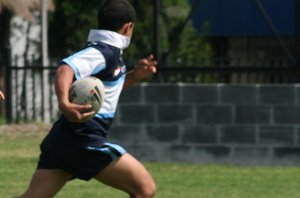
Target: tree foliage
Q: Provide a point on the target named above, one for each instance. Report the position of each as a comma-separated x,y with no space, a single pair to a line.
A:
72,20
182,46
70,24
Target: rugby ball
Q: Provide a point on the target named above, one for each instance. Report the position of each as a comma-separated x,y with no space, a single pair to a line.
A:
88,90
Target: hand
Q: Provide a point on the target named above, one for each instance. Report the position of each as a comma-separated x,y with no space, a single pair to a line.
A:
145,67
2,97
77,113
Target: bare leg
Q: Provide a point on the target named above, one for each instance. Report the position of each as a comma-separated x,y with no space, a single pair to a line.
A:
129,175
46,183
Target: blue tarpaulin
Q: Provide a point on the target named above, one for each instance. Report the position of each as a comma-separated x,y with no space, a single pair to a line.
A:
243,18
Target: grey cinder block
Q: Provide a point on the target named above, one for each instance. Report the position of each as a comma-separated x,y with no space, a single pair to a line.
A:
253,114
274,135
199,134
238,94
199,94
137,114
163,133
287,114
241,134
277,95
175,114
161,93
214,114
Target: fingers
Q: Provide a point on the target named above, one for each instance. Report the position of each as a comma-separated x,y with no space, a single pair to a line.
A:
153,69
150,57
144,68
86,116
81,117
85,112
78,113
83,108
151,60
2,97
151,63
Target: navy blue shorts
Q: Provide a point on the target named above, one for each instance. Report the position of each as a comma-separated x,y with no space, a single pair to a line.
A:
82,163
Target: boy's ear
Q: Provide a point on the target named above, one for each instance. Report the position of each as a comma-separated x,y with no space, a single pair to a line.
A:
131,25
126,28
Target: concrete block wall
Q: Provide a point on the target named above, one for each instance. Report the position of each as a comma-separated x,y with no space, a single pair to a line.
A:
196,123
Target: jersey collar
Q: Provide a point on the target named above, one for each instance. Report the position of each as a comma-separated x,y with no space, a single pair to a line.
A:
109,37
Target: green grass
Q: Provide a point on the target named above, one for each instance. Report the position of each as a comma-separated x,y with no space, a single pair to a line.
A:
19,152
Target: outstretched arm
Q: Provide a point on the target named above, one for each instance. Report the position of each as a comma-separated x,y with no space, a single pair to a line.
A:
144,68
63,82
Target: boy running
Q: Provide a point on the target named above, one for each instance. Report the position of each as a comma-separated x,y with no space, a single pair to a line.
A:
77,146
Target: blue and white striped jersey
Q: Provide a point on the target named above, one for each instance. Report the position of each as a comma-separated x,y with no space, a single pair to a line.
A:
102,58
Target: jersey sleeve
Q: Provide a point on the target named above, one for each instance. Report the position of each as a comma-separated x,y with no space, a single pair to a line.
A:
86,62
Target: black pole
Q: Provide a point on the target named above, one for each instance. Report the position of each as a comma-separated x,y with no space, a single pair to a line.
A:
5,62
8,92
297,33
156,31
275,32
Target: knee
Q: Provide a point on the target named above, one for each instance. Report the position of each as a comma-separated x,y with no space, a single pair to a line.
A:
147,190
150,189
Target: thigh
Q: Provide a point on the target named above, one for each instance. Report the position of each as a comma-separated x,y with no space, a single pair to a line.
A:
127,174
46,183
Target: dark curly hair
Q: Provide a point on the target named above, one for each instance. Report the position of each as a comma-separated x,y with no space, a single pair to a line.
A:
113,14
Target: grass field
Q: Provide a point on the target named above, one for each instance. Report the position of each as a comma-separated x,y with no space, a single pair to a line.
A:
19,152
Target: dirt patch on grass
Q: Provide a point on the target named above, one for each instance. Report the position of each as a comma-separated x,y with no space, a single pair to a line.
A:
14,129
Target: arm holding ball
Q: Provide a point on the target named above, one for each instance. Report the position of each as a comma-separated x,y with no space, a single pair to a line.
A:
63,82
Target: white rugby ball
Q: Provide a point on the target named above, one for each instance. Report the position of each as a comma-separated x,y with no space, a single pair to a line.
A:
88,90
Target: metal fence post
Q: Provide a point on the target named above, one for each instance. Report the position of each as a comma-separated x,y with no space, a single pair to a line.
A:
8,93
